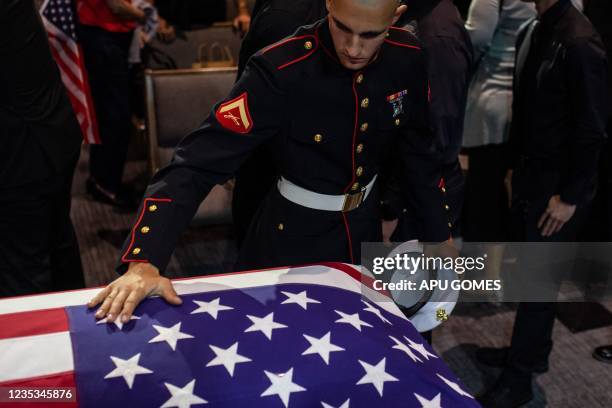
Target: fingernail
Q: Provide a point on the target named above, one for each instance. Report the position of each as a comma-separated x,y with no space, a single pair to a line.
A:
124,319
99,313
110,316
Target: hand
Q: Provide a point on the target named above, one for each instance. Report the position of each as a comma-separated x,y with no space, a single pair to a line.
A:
165,31
388,227
242,22
508,185
555,216
143,38
121,297
446,249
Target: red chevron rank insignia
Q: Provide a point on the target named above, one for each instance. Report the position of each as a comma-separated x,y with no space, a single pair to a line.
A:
234,115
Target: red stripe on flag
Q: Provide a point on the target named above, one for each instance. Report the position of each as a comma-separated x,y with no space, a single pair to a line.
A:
355,274
64,380
93,138
33,323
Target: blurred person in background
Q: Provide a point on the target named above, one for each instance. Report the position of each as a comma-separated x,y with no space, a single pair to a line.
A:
192,14
599,226
106,32
558,129
493,26
40,141
439,26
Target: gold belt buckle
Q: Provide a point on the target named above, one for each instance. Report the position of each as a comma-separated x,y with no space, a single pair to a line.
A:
352,201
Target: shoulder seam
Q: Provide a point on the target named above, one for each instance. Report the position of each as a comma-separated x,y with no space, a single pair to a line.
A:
411,46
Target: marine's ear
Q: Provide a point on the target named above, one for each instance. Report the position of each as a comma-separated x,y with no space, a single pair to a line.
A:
401,9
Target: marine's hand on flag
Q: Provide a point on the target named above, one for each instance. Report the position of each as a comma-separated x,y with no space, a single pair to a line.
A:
120,297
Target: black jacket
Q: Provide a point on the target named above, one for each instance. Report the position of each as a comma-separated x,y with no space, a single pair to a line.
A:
39,133
274,20
600,12
449,50
559,109
332,128
439,26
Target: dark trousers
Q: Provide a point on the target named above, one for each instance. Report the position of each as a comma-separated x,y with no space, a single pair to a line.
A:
39,251
598,227
531,342
106,60
485,210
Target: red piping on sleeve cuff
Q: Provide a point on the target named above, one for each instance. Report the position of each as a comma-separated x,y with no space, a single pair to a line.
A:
145,206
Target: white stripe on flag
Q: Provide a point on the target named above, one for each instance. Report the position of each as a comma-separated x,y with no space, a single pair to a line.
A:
314,275
47,354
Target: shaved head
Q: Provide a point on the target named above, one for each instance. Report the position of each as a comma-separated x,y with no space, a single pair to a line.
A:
358,28
382,7
386,4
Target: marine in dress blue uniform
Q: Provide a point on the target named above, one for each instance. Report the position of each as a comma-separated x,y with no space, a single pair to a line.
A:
332,129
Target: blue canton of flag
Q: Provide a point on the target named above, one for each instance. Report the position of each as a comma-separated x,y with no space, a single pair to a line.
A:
61,14
285,345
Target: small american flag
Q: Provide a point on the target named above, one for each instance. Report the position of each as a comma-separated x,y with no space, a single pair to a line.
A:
59,19
289,337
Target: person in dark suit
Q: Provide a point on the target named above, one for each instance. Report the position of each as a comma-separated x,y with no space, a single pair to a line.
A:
559,118
106,29
272,21
600,221
40,141
439,26
335,98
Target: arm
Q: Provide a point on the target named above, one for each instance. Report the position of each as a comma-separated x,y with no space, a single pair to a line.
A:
515,136
481,24
242,21
125,10
208,156
449,63
420,161
587,80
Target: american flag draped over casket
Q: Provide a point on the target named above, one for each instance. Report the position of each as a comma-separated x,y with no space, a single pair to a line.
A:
294,337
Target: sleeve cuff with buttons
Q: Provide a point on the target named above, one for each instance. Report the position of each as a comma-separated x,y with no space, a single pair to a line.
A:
141,244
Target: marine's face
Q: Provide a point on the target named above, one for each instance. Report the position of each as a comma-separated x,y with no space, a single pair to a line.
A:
358,28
